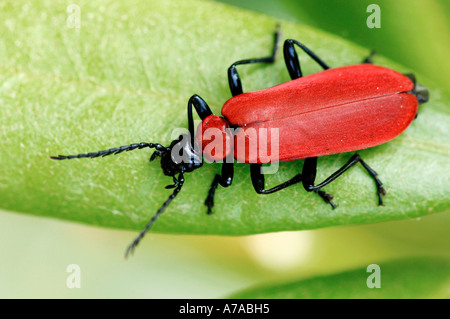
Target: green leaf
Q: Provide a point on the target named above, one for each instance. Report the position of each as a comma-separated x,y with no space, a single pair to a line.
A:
408,278
125,76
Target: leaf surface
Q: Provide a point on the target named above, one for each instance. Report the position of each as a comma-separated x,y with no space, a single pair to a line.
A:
125,76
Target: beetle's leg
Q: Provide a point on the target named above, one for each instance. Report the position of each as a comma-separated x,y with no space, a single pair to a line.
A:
202,109
309,171
369,59
258,180
309,175
224,180
233,77
292,61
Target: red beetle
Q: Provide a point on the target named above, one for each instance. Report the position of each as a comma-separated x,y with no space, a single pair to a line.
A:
334,111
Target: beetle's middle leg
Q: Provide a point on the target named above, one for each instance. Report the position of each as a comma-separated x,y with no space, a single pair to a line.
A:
309,176
259,181
292,61
234,80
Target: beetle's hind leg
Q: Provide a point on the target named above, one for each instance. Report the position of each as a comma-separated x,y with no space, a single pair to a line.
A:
309,176
234,79
327,197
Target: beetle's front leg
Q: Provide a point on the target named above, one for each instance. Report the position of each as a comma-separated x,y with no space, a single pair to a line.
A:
224,180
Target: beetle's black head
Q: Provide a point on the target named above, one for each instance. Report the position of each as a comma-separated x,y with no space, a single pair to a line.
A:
180,157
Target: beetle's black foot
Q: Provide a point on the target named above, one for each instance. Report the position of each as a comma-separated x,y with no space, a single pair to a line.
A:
209,202
380,189
327,198
381,192
369,59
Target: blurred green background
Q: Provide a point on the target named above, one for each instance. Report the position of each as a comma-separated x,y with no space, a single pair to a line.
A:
415,33
36,251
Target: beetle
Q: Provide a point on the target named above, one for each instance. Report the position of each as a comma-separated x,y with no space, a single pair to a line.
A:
337,110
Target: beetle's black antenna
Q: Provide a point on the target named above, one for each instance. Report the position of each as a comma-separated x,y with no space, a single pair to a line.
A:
114,151
178,184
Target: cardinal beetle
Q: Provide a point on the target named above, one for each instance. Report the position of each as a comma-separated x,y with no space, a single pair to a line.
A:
336,110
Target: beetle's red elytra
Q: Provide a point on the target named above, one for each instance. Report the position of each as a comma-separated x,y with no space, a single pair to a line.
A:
338,110
335,111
